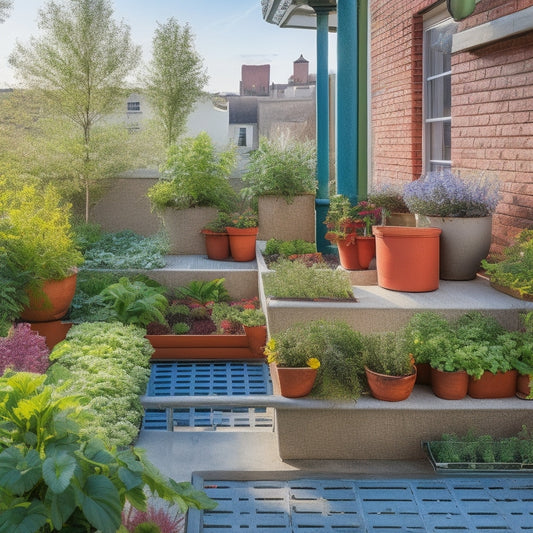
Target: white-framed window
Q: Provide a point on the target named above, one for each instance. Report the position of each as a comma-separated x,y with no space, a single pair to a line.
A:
439,28
134,106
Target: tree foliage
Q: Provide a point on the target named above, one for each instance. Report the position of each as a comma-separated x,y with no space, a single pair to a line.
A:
80,64
175,77
5,7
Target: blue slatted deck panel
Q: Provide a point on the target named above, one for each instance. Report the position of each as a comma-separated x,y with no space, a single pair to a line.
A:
209,379
440,505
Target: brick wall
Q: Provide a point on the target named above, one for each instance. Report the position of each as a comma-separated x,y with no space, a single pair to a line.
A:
492,106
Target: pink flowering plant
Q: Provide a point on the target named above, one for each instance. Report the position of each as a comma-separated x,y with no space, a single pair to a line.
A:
23,350
445,194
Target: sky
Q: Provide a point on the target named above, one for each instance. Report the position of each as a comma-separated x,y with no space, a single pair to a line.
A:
228,34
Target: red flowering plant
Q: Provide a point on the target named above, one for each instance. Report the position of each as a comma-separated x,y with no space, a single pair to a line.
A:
345,221
232,316
23,350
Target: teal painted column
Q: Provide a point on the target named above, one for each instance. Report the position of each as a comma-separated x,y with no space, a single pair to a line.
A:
322,128
347,99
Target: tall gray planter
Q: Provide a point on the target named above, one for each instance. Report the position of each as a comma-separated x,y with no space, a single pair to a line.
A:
464,242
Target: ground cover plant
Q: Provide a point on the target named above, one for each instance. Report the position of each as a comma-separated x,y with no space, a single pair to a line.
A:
294,279
108,364
23,350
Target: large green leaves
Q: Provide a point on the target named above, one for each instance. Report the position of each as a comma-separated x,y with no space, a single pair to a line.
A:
23,518
19,471
58,471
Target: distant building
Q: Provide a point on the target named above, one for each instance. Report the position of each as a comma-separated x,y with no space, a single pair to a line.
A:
255,80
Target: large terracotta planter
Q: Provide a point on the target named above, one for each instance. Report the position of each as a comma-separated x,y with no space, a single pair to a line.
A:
366,250
53,332
257,337
489,385
390,388
51,301
449,385
348,256
242,243
407,259
230,347
523,388
216,245
464,242
293,382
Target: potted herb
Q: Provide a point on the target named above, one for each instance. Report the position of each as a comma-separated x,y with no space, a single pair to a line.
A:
393,207
281,183
462,209
389,367
216,237
513,274
242,231
524,361
194,184
320,356
36,235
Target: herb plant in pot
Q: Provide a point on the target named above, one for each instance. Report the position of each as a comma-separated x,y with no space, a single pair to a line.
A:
280,182
389,367
242,231
216,237
35,233
462,209
194,184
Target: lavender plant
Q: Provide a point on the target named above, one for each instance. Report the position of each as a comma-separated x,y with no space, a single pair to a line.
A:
445,194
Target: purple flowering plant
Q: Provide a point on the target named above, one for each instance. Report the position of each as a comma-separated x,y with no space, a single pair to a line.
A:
23,350
445,194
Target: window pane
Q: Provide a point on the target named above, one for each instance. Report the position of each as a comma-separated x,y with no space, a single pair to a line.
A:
440,141
439,92
439,48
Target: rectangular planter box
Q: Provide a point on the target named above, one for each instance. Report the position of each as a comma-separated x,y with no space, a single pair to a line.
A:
232,347
473,467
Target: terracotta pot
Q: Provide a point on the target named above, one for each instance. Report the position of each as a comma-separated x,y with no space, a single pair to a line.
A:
53,332
294,382
216,245
449,385
51,301
523,389
348,257
489,385
366,250
423,374
407,259
464,242
257,337
390,388
242,243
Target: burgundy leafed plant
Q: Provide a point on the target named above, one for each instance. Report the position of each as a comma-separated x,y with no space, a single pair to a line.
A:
23,350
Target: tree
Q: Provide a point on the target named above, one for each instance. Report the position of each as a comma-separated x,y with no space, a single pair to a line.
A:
5,7
80,64
175,77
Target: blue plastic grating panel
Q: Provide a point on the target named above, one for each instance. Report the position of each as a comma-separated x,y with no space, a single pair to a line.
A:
209,379
372,506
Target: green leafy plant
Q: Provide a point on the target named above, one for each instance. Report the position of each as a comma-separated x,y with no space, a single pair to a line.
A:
36,234
13,297
195,175
126,250
246,219
55,479
135,302
202,292
219,224
387,353
109,363
288,248
344,220
389,199
515,270
293,279
281,167
251,317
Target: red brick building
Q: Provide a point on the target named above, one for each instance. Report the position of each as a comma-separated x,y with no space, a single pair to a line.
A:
455,94
255,80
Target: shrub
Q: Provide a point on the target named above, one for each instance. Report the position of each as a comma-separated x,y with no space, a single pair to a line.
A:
387,353
288,248
195,175
23,350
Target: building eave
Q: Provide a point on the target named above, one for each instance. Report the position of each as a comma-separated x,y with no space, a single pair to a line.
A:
298,13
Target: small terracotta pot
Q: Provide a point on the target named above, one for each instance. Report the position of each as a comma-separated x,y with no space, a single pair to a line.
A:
407,259
242,243
423,374
216,245
449,385
257,336
523,389
390,388
366,250
348,256
489,385
51,301
295,382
